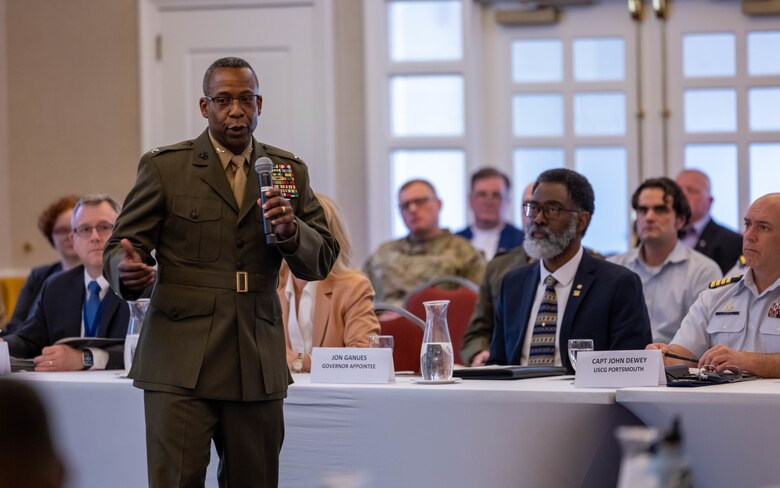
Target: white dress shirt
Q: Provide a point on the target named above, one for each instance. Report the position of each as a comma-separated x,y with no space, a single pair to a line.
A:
299,319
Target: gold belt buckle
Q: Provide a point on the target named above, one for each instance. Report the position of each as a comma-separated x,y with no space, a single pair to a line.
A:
242,281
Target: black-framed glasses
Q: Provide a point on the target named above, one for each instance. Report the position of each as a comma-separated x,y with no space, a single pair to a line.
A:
85,231
550,211
248,102
417,202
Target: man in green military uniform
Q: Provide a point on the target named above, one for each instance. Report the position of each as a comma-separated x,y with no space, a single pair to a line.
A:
428,252
211,356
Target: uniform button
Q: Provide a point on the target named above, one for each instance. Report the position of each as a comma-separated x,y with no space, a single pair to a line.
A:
240,243
194,214
239,265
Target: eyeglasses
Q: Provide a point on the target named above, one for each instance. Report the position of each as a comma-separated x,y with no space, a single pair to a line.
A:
485,195
551,212
247,102
85,231
417,202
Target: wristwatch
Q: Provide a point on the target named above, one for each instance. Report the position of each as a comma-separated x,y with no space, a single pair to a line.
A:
87,359
297,364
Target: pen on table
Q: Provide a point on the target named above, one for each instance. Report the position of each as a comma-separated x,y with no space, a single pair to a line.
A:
683,358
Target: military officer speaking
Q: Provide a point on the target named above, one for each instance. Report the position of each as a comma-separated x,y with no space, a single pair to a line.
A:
211,357
737,320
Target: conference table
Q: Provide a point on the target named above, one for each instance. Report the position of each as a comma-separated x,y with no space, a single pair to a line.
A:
731,432
534,432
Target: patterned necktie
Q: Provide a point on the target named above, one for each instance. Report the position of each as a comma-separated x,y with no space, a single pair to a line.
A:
238,184
91,309
543,339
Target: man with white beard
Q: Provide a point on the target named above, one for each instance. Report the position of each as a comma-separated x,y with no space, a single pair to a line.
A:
568,294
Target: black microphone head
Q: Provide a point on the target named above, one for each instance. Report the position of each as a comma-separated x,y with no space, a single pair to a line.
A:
264,165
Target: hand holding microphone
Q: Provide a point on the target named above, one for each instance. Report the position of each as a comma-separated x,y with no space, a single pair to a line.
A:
278,216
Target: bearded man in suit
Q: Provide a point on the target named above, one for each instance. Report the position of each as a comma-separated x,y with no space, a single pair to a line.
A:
568,294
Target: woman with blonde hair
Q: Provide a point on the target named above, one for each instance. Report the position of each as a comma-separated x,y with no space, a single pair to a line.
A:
335,312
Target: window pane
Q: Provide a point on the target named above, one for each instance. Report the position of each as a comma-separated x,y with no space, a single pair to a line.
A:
764,106
528,164
711,110
537,115
764,161
599,59
425,31
599,114
606,169
763,53
719,162
707,55
537,60
427,105
446,170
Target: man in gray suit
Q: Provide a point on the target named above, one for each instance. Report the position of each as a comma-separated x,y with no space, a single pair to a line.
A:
211,357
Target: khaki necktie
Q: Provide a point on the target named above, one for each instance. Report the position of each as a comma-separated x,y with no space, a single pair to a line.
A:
238,182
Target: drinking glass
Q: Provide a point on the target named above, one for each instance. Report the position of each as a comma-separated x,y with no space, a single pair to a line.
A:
385,341
578,345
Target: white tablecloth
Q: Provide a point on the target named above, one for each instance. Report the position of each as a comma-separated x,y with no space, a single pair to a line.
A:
477,433
731,432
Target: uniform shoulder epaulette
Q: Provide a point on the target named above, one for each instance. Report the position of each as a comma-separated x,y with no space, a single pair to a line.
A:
281,153
173,147
725,281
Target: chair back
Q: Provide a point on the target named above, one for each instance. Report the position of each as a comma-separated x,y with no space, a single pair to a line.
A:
10,287
462,299
407,332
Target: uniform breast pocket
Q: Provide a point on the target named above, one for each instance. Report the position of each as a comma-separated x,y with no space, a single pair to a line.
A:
770,335
195,228
723,327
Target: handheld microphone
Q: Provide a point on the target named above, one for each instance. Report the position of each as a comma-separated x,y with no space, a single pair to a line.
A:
264,166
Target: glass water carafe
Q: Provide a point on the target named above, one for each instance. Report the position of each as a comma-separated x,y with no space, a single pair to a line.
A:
137,314
436,356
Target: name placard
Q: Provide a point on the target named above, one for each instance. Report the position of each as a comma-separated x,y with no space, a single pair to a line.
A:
618,369
5,359
352,365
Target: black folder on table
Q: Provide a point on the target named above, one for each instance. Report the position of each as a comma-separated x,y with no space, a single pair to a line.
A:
508,372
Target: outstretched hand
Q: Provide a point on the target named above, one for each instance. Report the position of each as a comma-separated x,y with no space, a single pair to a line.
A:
133,272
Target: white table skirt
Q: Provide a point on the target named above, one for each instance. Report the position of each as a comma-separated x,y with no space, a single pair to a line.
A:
477,433
731,432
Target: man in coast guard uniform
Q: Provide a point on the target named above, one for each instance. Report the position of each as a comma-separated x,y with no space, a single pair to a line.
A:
737,320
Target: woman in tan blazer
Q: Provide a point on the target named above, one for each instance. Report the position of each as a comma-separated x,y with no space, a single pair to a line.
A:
335,312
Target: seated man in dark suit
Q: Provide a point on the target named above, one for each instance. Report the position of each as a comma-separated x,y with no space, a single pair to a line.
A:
77,302
722,245
569,294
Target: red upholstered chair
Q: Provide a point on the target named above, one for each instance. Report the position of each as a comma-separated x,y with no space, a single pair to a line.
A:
407,332
462,295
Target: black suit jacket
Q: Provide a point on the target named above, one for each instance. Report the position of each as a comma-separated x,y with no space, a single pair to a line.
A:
721,244
29,294
58,314
610,309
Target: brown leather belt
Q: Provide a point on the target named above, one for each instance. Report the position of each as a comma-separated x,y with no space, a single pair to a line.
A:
240,281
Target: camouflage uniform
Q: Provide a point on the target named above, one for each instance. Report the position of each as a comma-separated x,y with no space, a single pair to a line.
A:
399,266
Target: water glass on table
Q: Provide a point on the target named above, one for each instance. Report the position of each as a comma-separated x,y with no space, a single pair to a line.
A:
576,346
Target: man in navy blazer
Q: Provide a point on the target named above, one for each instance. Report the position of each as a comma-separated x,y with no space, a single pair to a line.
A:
61,311
595,299
489,198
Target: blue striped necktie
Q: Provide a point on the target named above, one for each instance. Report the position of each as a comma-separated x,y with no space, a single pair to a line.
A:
543,339
91,309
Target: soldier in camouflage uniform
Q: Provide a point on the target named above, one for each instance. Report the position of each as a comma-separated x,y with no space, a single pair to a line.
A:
428,252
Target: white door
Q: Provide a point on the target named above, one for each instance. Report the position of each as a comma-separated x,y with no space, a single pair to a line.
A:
284,44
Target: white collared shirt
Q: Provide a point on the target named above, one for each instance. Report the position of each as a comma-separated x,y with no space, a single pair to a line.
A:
299,323
671,288
99,356
565,278
486,240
